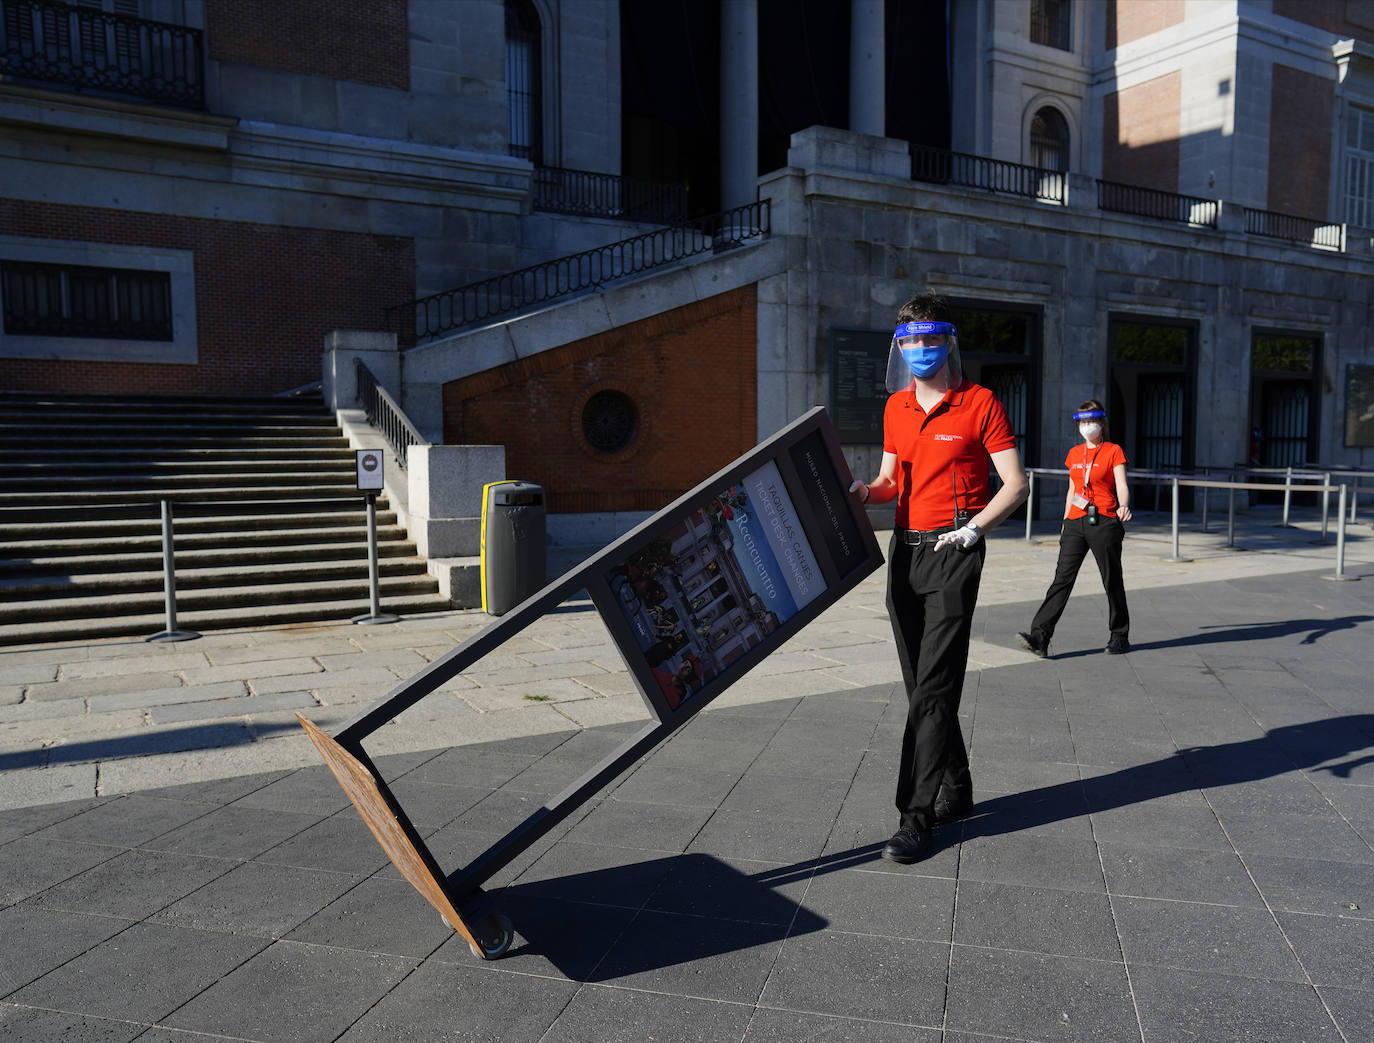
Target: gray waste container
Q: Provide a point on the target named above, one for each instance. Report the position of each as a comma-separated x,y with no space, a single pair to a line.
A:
513,556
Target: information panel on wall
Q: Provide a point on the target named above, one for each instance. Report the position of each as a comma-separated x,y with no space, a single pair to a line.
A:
858,384
1359,405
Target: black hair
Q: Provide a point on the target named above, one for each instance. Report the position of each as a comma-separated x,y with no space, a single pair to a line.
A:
925,307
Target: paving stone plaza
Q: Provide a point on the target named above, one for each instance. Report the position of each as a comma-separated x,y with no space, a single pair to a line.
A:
1170,844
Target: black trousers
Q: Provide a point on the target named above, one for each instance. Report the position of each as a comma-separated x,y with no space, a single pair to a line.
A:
930,598
1078,537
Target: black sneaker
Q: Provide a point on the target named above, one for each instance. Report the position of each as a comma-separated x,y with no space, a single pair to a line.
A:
907,845
1033,644
1118,645
951,809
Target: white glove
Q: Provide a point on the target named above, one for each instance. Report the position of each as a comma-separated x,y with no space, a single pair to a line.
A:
962,538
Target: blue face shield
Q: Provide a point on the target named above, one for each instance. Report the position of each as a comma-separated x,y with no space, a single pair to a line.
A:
909,358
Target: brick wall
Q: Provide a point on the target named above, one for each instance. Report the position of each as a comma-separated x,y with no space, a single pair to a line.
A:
1129,20
691,373
265,298
363,41
1140,128
1300,142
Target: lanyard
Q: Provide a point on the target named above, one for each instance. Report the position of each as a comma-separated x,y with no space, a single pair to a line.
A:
1088,467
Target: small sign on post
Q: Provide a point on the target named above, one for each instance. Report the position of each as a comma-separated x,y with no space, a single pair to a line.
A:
371,479
370,471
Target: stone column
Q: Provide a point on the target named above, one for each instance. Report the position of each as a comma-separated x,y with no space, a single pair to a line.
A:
867,76
739,102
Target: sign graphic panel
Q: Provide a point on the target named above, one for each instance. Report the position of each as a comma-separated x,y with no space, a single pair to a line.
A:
705,589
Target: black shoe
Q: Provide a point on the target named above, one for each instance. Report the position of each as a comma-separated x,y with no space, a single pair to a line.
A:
951,809
1118,645
907,845
1033,644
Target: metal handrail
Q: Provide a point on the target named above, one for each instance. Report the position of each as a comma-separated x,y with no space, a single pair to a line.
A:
1322,235
583,272
1178,481
51,42
1151,202
995,175
560,190
385,413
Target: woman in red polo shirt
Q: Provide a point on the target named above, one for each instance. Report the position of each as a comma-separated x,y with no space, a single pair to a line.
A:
942,436
1097,503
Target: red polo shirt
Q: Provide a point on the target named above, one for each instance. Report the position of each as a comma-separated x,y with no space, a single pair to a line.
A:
944,454
1099,464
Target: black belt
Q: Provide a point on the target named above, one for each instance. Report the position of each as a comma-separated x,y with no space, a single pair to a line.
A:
916,537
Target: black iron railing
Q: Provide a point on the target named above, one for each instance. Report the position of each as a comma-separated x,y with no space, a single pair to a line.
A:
1294,229
1151,202
562,191
384,413
995,175
53,43
581,272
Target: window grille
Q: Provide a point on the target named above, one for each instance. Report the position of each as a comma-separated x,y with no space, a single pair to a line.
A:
1051,23
56,300
522,80
1359,168
1049,140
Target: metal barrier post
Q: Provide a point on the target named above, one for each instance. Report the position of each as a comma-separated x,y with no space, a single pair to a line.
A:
1340,576
376,615
1287,495
1231,518
169,585
1205,491
1354,499
1030,503
1326,504
1175,556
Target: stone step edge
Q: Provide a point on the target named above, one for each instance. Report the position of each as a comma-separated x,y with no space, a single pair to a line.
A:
149,624
95,606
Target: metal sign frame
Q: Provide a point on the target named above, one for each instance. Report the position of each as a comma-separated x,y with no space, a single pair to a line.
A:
371,467
795,485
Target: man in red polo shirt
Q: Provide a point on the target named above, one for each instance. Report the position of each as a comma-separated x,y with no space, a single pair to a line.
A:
941,436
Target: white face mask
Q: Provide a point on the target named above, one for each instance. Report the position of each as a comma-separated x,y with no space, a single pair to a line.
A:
1090,432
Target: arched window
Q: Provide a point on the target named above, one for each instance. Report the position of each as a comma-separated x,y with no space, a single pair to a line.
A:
1049,140
522,80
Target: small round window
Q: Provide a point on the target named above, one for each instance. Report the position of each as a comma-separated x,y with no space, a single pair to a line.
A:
609,421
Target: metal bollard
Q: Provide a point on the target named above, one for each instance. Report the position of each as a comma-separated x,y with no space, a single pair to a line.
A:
1175,556
1287,495
169,585
1340,576
1231,518
1326,504
376,615
1205,491
1030,502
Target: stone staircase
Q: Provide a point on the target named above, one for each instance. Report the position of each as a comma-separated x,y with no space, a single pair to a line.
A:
269,526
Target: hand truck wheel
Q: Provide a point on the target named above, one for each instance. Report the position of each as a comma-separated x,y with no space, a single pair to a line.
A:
495,932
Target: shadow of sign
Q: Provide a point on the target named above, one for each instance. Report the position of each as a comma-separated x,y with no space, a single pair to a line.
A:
1309,745
696,908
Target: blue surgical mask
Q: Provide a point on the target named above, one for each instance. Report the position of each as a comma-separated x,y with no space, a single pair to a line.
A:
925,362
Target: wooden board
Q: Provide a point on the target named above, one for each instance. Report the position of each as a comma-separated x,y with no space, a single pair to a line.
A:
381,818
